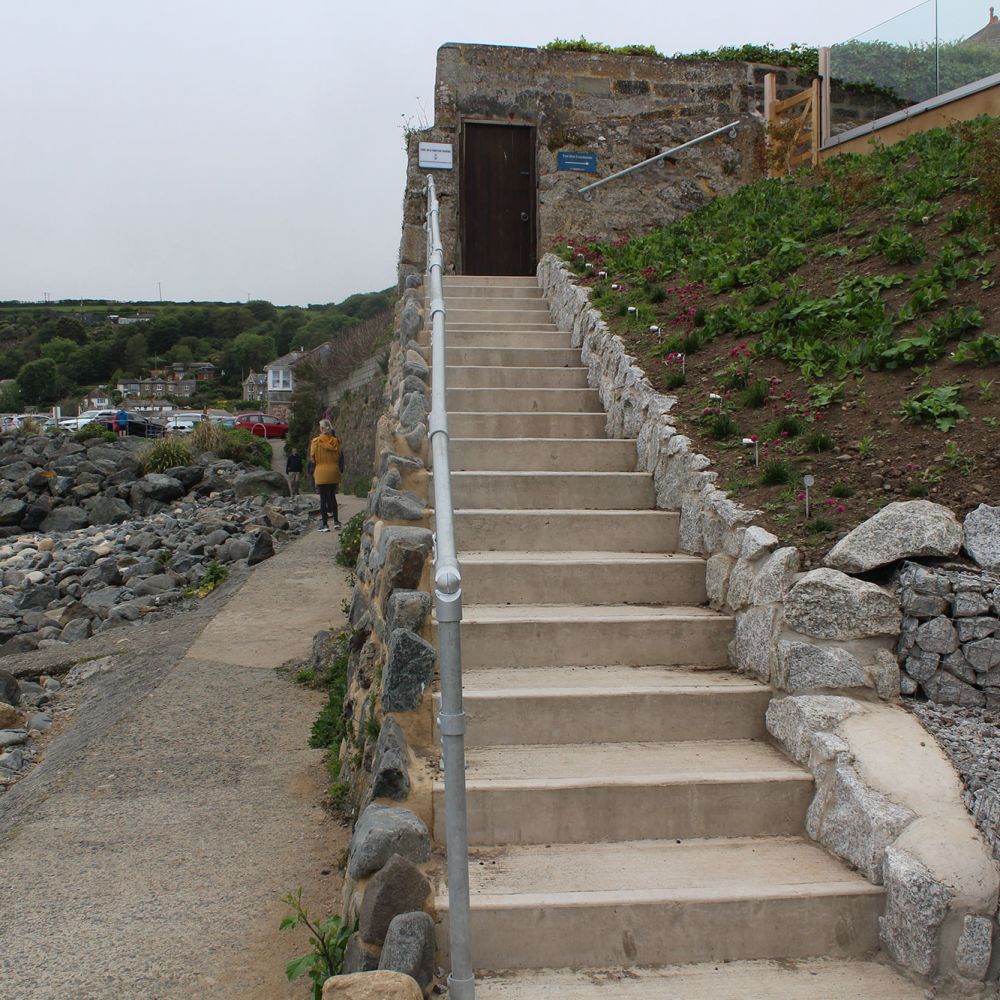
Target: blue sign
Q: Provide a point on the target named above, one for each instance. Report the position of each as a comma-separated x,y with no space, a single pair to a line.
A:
585,163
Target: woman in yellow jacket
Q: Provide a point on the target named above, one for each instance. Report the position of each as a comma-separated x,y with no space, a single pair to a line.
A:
326,455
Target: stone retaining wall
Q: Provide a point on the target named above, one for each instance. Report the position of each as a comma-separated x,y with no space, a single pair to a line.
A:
816,637
950,641
388,760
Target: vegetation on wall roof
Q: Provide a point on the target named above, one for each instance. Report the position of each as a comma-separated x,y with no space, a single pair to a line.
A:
796,56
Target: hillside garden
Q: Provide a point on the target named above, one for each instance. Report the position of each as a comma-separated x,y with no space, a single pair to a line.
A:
842,324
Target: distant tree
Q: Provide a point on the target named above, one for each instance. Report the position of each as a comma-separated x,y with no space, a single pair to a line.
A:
89,364
249,351
59,349
230,322
10,399
134,357
262,310
163,333
39,382
11,360
180,353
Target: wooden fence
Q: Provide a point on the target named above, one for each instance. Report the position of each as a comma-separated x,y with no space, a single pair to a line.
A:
793,127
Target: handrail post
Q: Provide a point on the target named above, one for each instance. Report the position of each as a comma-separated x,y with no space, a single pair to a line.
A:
448,606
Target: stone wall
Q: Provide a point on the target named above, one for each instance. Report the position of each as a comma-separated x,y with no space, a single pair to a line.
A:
824,641
388,759
621,108
950,641
355,406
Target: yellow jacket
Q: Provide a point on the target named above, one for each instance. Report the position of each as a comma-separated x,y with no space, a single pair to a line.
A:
324,453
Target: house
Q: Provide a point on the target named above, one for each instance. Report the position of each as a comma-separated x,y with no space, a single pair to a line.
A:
988,37
152,387
281,378
255,387
132,320
99,399
151,407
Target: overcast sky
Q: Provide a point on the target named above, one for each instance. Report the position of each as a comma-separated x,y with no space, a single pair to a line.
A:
226,148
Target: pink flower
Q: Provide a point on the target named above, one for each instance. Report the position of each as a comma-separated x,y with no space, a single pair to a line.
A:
840,508
753,437
801,496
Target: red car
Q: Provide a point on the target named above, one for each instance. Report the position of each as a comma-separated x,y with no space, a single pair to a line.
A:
262,425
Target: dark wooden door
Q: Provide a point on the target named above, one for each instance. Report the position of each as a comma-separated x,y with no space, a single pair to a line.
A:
498,199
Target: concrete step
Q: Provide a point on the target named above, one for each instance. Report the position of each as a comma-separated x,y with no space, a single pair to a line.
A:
523,300
663,903
509,314
568,530
589,792
495,377
557,705
515,357
526,425
486,335
524,400
580,635
582,578
541,455
548,490
809,979
452,281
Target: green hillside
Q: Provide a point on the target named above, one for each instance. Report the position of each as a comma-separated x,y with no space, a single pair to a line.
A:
57,349
848,319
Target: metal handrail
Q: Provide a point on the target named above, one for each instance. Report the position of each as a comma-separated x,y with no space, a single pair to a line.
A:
448,605
731,128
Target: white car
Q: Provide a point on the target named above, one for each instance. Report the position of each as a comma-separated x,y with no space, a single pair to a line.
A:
87,417
183,423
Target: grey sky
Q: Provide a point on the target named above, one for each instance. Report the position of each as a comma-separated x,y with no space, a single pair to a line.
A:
235,147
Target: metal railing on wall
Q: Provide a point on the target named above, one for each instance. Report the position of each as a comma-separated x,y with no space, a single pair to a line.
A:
448,608
730,128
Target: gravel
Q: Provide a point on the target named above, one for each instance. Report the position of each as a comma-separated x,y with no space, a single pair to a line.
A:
970,736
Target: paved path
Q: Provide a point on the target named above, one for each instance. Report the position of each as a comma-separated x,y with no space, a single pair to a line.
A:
147,856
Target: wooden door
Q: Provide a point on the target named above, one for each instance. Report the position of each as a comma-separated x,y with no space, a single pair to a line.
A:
498,199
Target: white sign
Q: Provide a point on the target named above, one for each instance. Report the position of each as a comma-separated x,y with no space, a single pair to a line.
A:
435,155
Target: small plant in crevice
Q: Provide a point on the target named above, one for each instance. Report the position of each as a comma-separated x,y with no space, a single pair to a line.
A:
866,446
214,577
166,454
331,726
328,940
841,491
350,541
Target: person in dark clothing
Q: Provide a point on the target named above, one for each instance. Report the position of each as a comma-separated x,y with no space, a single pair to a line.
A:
293,470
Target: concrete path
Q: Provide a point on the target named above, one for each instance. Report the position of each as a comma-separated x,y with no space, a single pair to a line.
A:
150,860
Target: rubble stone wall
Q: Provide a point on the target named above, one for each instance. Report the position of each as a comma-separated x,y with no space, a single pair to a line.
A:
388,759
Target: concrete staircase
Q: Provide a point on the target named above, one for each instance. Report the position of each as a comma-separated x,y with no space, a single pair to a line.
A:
625,807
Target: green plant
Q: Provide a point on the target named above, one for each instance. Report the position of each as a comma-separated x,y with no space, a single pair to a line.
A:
721,426
787,425
866,446
755,395
897,245
937,405
917,488
823,394
329,942
992,422
817,441
306,676
350,540
841,491
208,436
985,389
215,576
331,726
674,379
953,455
820,526
94,432
775,472
373,725
166,454
735,485
984,350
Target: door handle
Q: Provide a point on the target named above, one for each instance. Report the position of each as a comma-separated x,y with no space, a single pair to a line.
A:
524,216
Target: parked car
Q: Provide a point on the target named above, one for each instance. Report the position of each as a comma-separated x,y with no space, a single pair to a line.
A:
138,425
87,417
184,422
262,425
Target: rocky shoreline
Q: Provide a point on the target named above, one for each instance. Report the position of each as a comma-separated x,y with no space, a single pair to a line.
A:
109,547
